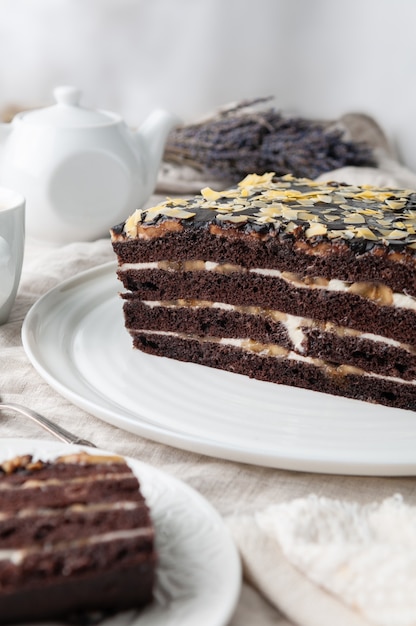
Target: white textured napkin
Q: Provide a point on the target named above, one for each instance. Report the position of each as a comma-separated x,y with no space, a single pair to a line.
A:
326,562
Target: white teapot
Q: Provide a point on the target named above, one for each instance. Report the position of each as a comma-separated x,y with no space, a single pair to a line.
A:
82,171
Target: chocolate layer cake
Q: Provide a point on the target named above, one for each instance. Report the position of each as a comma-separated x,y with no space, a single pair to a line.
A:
75,537
282,279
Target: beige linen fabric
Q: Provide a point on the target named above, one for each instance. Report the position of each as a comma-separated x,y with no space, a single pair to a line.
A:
234,489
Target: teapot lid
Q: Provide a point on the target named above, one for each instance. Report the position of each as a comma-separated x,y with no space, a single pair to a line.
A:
67,112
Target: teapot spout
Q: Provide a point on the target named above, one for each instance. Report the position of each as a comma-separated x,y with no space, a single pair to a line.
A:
153,134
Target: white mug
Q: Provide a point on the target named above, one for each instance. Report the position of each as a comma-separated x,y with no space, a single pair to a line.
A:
12,239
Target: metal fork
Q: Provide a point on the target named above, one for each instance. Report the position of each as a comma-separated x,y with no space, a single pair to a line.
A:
44,422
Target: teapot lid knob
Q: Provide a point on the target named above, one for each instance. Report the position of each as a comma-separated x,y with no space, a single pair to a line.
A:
67,95
67,112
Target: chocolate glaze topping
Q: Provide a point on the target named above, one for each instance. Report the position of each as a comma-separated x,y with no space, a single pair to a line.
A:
362,218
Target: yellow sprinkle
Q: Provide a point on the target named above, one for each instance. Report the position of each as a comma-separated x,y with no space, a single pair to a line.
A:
305,201
331,218
308,217
316,229
153,210
365,233
293,193
393,204
169,212
130,227
290,227
370,194
334,234
324,198
274,194
337,198
210,194
232,218
354,218
289,213
220,209
253,180
371,212
275,210
175,201
264,219
396,234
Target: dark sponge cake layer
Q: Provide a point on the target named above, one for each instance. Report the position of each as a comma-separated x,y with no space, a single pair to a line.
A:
370,356
280,370
203,321
67,598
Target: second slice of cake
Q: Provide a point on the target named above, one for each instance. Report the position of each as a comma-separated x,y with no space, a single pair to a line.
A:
281,279
76,539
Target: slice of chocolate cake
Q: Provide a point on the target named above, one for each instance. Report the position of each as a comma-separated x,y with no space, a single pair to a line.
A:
286,280
75,537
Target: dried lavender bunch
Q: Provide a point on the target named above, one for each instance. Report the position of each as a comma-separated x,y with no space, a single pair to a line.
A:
240,140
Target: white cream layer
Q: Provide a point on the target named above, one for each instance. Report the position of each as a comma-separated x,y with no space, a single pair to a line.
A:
17,555
74,508
33,483
399,300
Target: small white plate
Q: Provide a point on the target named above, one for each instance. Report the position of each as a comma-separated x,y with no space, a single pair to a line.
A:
75,337
199,572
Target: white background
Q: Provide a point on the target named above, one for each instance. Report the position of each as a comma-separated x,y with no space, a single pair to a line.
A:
319,58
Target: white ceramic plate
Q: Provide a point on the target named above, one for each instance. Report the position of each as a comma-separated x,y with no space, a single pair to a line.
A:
75,337
199,573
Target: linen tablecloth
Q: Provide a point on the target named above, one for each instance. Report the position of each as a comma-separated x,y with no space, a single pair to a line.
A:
238,491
